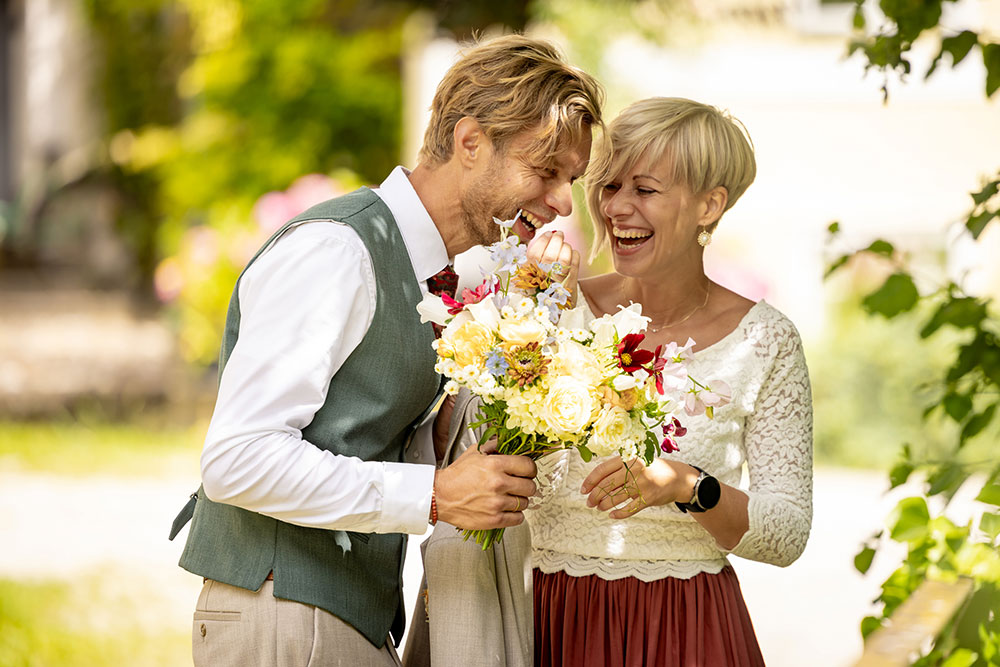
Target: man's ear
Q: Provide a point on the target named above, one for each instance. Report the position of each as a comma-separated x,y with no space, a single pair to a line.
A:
471,144
713,205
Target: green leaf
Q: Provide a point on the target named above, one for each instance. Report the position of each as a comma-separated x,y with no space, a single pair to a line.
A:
863,560
988,192
957,406
897,295
989,523
833,228
991,58
869,624
962,313
836,264
880,247
945,479
977,423
958,46
962,657
969,356
899,474
990,494
976,223
909,519
585,453
859,17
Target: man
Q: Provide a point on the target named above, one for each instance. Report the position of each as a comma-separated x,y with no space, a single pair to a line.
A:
298,527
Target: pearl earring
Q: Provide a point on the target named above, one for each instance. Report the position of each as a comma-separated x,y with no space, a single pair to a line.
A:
704,238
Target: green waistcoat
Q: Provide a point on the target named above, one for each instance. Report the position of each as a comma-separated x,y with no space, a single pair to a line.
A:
373,400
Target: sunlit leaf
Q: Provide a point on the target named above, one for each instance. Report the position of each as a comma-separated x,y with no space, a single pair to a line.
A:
990,524
908,520
977,423
897,295
880,247
960,313
836,264
990,494
863,560
987,193
869,624
945,479
958,46
833,228
899,474
991,58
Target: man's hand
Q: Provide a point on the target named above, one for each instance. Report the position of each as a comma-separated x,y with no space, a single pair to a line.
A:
482,490
551,248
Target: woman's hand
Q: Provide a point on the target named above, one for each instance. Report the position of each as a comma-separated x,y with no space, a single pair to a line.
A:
550,248
613,482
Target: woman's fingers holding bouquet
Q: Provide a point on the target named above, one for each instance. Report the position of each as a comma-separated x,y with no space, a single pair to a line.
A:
614,482
551,248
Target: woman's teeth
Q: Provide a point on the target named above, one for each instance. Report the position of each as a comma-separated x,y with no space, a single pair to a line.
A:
631,237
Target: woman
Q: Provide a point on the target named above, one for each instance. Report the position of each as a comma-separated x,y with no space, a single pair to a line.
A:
630,565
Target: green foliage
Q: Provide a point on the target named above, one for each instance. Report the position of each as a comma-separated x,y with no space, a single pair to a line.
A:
964,396
52,623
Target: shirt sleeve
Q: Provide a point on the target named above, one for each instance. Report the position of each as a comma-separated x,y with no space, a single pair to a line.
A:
779,446
305,305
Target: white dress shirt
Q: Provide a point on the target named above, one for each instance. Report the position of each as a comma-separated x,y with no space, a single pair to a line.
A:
305,305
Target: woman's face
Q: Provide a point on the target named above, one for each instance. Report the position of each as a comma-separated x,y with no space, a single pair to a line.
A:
652,221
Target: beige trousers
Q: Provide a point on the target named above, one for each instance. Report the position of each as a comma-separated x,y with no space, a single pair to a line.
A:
234,627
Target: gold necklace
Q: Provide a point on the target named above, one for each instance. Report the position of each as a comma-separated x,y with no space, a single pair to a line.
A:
708,290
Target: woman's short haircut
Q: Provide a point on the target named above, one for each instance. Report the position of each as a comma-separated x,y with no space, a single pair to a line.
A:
508,85
706,148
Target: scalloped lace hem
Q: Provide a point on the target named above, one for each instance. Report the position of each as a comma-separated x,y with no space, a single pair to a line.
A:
610,570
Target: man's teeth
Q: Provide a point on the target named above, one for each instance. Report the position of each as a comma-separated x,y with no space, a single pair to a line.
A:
530,220
631,233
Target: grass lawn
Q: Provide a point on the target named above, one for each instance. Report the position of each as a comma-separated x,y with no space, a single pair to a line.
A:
45,624
81,448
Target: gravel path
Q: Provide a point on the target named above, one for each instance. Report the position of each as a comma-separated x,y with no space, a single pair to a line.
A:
63,528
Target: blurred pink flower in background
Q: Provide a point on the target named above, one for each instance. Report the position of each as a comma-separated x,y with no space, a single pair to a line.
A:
274,209
168,279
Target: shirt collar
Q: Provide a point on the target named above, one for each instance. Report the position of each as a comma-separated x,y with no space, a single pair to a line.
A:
424,244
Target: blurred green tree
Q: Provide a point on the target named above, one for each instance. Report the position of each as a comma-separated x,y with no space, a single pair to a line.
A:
212,103
967,394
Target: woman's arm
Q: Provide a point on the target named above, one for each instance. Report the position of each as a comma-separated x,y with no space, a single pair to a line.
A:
771,521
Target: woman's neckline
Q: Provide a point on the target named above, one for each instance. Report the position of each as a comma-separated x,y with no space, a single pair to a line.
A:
739,326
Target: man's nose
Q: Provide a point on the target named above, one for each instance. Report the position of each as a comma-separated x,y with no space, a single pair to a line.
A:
560,198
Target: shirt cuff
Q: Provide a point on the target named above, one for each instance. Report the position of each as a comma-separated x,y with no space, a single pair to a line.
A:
406,499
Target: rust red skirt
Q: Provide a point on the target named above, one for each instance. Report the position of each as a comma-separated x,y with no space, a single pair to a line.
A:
590,622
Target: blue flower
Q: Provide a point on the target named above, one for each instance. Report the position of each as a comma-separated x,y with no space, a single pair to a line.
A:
496,363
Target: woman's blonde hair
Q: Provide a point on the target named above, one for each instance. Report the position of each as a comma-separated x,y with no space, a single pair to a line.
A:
706,148
511,84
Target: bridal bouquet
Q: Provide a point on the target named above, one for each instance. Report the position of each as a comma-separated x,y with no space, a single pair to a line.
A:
550,380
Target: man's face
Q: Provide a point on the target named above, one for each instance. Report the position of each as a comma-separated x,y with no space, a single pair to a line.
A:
511,182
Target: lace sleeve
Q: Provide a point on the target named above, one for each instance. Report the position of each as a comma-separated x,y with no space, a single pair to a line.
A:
779,442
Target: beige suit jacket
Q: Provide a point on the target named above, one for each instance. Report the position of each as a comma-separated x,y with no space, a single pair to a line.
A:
475,606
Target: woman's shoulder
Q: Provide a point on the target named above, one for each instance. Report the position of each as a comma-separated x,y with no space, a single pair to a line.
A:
771,325
597,290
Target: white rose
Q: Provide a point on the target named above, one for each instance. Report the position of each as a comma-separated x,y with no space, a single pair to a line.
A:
485,312
576,360
523,331
569,406
612,431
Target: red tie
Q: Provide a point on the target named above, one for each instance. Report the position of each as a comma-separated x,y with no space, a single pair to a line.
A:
444,281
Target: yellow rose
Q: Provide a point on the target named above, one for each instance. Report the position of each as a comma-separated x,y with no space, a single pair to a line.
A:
569,406
580,362
469,344
522,331
625,400
612,430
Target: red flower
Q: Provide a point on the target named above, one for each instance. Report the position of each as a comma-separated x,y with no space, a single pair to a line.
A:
672,429
630,357
475,296
656,370
454,307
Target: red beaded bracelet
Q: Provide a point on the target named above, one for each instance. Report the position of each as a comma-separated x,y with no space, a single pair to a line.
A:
434,508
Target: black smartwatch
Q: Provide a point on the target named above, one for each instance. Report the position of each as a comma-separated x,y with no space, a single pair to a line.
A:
707,492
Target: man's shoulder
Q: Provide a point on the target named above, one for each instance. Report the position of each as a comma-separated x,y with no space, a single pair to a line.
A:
340,208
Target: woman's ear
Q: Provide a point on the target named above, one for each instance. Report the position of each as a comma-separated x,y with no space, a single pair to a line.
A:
713,206
470,142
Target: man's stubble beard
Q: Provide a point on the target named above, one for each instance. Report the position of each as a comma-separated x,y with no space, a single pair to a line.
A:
483,201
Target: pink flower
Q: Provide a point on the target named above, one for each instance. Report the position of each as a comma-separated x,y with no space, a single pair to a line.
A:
486,288
454,307
707,398
671,430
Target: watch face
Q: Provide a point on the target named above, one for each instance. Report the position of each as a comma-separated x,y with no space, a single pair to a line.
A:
709,492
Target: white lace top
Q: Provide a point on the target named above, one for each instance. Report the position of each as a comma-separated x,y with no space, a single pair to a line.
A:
767,426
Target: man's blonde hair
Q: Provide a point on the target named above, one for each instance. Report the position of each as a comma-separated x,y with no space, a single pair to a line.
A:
706,148
511,84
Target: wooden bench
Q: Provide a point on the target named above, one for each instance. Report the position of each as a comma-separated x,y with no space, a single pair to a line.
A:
916,624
